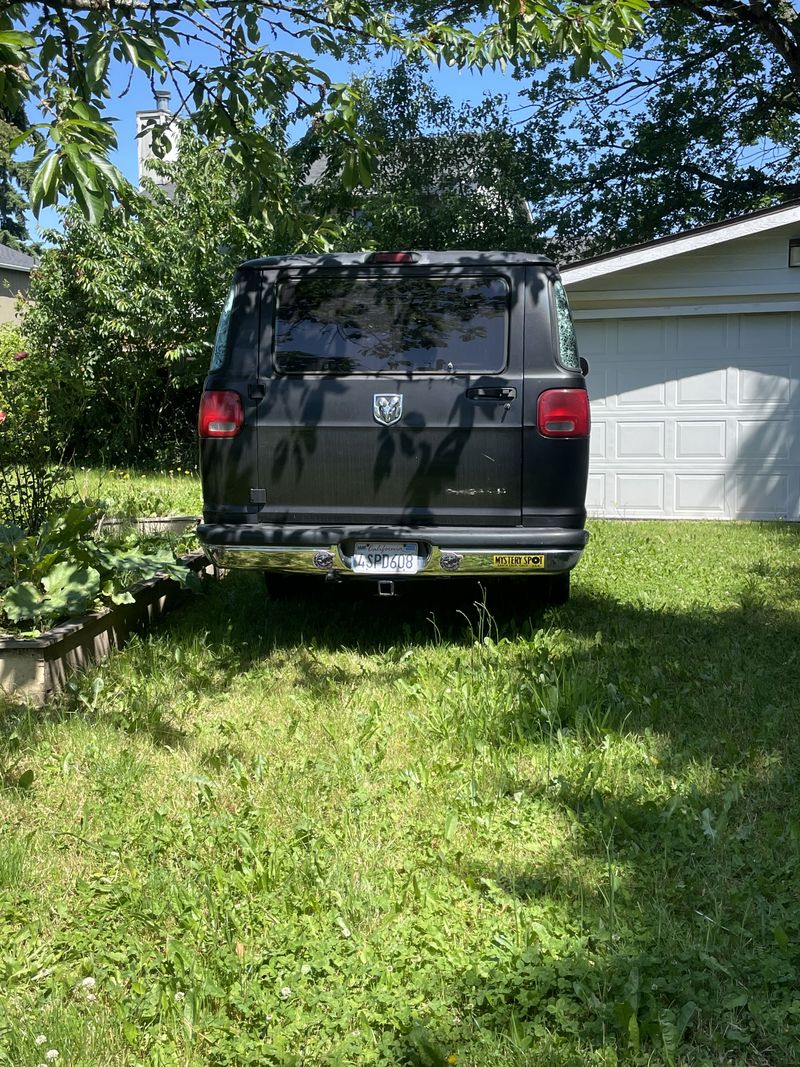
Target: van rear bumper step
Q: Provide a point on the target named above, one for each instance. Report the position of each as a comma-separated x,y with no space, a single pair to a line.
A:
441,552
501,539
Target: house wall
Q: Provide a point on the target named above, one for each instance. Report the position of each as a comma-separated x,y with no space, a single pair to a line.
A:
13,283
745,271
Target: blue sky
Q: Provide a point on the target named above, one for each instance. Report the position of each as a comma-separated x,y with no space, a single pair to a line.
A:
132,94
460,85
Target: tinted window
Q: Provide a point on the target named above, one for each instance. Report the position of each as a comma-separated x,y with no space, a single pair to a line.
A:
391,325
567,341
221,340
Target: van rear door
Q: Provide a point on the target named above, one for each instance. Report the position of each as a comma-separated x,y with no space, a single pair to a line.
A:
391,396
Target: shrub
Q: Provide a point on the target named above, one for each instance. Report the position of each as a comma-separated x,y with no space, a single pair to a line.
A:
124,312
30,481
64,570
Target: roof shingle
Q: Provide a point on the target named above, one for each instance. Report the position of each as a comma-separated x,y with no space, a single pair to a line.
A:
16,260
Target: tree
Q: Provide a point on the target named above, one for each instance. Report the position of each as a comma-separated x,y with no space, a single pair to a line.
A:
14,179
252,56
700,121
444,177
123,312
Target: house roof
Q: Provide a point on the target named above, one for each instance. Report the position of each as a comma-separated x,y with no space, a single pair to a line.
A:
689,241
12,259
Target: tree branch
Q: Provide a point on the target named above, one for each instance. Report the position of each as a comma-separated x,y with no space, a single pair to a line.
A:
778,30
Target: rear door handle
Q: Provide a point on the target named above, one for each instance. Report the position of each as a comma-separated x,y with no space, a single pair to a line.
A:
495,392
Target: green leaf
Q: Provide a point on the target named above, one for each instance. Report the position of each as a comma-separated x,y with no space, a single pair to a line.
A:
49,50
44,187
71,588
115,178
98,64
17,39
19,139
23,601
25,780
707,819
124,596
633,1032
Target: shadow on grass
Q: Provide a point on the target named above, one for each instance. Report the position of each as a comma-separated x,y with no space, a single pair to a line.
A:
674,670
674,910
682,923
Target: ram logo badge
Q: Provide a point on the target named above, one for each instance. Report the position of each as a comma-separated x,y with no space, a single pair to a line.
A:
387,407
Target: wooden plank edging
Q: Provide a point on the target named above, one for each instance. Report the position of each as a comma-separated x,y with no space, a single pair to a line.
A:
36,669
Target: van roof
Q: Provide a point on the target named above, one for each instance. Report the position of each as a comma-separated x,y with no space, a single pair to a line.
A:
435,259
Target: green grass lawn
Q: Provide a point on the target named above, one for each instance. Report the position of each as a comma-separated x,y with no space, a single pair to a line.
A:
128,492
345,831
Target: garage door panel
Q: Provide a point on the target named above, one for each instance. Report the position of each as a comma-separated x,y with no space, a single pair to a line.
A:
700,494
702,334
701,418
594,337
642,335
771,383
640,386
640,440
597,441
762,496
596,493
764,438
597,383
765,333
701,387
640,492
700,440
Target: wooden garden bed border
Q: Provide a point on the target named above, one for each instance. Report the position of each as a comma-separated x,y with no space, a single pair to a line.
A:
35,669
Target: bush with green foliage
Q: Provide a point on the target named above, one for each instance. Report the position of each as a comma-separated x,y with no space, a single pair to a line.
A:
63,570
123,312
31,483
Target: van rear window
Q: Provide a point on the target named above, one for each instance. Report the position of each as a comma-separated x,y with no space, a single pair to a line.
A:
391,325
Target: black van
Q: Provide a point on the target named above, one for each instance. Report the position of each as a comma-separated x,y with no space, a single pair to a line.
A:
397,415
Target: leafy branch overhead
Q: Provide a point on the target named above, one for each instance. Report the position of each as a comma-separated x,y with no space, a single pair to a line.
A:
238,68
699,122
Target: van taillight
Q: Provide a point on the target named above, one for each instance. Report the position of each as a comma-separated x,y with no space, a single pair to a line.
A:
392,257
221,413
563,413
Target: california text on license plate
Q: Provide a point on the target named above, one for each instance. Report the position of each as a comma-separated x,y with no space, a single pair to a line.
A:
374,557
535,560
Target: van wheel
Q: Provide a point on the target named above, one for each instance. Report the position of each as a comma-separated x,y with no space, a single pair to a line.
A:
280,586
555,590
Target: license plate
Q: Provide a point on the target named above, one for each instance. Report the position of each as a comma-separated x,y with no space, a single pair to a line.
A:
533,561
374,557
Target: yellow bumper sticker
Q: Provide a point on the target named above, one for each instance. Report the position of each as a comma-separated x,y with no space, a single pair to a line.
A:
518,560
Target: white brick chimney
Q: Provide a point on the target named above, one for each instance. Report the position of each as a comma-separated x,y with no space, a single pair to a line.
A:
145,121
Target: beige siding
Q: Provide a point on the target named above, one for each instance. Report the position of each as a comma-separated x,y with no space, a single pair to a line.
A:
745,269
13,283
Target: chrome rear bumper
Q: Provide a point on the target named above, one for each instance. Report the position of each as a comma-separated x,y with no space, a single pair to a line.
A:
434,562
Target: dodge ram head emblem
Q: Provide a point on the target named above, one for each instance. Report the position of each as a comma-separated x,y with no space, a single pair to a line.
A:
387,407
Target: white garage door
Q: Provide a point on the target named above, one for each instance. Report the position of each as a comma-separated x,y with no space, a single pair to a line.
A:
694,416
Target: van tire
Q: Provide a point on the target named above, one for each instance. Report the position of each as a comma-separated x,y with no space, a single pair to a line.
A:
555,591
285,586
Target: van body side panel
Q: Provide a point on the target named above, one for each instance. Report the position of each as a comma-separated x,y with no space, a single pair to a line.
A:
554,470
229,465
452,458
